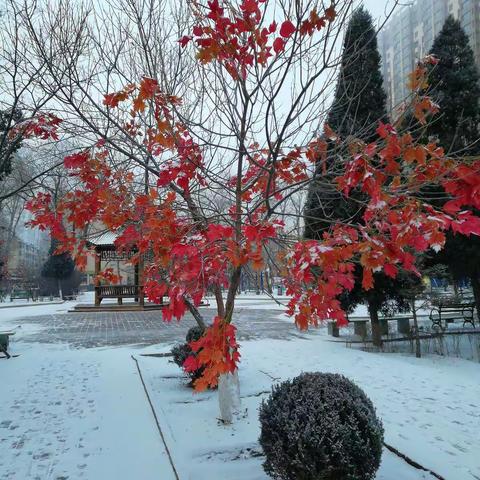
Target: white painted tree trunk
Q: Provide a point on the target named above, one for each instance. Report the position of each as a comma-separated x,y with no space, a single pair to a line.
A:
229,396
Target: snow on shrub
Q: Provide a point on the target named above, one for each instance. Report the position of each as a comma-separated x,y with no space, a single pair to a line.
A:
320,426
182,351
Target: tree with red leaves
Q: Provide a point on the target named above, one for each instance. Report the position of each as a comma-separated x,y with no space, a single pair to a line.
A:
205,203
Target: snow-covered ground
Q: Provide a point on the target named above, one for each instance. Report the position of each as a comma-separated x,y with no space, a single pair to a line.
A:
83,414
430,408
76,414
28,303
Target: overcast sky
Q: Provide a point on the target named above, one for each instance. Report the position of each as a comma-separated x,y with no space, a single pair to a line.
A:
379,8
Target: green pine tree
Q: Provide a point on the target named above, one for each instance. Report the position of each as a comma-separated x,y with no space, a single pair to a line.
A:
455,88
360,99
358,106
8,147
454,85
59,267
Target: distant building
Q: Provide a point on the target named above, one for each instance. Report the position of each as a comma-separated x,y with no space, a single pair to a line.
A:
22,254
409,35
24,260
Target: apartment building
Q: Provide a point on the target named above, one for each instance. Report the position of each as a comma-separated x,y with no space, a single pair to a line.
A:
409,35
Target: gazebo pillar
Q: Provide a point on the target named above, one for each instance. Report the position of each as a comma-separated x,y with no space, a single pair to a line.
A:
98,267
136,279
140,268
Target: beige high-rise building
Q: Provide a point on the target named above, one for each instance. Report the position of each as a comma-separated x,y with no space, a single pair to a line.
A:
409,35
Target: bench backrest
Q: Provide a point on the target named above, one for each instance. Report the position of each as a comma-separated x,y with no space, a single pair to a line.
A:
456,307
118,290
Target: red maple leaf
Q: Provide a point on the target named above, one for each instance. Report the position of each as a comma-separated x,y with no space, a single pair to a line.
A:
279,45
287,29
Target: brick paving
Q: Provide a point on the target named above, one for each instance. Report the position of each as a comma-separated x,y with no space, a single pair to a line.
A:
98,329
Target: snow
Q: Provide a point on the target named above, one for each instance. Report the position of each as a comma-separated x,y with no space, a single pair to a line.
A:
429,408
76,414
83,413
28,303
10,317
258,302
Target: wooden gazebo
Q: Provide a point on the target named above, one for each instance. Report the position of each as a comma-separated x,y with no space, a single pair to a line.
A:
105,251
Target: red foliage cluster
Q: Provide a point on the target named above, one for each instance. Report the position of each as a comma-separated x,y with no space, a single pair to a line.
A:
188,255
238,40
397,226
268,178
43,126
217,351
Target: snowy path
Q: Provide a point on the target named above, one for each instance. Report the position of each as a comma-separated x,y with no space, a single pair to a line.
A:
76,414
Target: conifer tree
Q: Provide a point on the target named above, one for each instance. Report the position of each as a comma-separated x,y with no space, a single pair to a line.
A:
358,106
8,147
455,88
58,266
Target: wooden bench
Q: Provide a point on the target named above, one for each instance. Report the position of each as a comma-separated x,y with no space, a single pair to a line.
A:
20,294
4,342
117,291
449,312
25,294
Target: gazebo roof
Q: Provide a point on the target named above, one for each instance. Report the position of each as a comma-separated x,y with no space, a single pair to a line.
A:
103,240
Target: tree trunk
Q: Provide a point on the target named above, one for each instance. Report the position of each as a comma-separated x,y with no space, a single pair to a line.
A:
418,352
229,396
475,280
455,288
60,293
195,313
376,327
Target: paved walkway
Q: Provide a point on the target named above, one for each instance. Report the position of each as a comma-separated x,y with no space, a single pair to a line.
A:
145,328
77,414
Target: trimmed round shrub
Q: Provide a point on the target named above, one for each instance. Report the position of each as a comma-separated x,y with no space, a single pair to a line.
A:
320,426
194,333
182,351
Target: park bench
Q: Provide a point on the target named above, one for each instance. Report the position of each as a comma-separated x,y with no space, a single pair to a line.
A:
31,293
449,312
20,294
117,291
4,342
73,296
